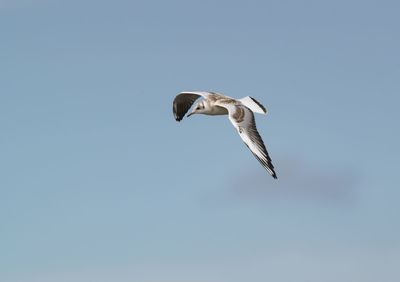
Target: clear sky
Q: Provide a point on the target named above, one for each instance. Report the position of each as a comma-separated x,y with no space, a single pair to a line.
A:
100,183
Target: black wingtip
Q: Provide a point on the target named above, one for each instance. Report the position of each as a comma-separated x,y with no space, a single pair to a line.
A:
177,118
272,172
259,104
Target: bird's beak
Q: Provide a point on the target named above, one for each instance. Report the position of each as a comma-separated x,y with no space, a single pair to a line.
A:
190,114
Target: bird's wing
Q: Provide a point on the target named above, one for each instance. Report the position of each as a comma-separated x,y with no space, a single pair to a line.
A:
184,100
243,120
253,105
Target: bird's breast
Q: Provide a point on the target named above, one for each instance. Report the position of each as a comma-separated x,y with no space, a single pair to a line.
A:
217,110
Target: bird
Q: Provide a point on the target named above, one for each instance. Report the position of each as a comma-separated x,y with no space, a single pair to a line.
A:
239,111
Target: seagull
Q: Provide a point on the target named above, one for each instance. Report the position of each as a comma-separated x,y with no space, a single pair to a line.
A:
240,112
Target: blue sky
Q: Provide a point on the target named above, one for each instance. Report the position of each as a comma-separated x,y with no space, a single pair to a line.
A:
99,183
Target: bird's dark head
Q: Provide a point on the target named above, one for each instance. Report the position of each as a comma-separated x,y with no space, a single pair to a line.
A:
199,108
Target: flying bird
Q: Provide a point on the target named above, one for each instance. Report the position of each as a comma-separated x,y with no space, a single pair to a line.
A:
240,112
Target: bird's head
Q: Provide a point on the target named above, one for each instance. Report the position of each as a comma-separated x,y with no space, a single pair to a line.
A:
199,108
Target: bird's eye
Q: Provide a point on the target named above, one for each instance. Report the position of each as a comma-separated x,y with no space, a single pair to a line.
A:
198,108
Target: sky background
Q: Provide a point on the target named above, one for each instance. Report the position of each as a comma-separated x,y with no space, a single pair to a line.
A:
100,183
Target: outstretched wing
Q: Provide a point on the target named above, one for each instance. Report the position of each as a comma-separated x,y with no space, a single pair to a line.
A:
182,103
243,120
253,105
184,100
